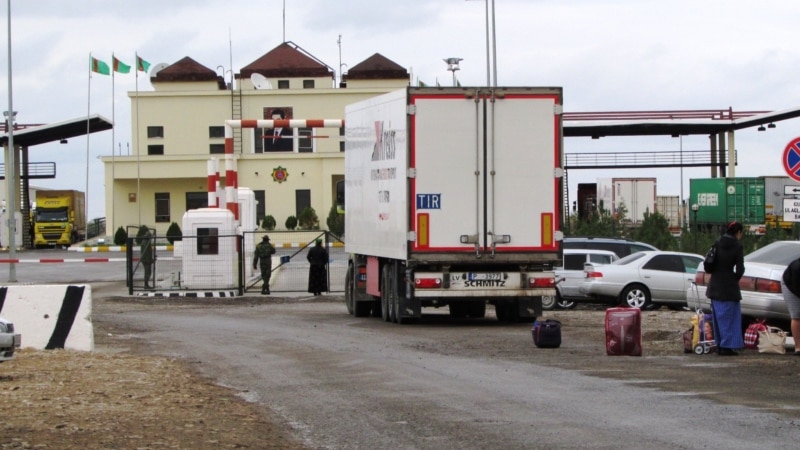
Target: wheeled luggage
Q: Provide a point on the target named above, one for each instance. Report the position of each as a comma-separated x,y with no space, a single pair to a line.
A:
623,331
546,333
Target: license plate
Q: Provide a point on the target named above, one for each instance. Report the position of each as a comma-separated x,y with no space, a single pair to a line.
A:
485,276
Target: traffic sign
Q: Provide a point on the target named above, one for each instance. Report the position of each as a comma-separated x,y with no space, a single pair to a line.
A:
791,159
791,189
791,210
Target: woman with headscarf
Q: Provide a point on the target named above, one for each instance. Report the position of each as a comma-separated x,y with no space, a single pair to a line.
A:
317,273
723,290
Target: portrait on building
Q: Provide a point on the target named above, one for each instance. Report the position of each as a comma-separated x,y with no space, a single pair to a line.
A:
278,139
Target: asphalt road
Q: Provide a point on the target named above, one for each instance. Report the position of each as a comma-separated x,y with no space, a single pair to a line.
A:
349,383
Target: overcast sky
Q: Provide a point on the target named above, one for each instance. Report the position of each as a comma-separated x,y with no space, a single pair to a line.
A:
608,55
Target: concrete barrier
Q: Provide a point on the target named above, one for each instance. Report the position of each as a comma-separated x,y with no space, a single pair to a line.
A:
50,316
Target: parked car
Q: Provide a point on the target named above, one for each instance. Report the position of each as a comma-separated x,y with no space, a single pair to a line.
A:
622,247
762,296
644,279
9,341
570,276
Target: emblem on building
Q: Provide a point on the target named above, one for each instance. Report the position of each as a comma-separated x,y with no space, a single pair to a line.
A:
279,174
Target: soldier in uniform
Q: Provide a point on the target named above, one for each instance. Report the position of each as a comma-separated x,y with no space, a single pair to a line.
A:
263,255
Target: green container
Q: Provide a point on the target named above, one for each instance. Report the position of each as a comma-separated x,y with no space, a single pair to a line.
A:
722,200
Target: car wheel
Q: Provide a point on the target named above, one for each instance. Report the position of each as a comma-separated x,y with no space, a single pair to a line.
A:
548,302
636,296
565,304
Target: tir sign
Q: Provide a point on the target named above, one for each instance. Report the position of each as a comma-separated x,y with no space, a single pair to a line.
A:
429,201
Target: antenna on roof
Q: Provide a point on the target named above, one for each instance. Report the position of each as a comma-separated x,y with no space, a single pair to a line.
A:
260,81
284,20
157,68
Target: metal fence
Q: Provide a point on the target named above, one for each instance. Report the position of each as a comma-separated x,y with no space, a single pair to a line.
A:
222,265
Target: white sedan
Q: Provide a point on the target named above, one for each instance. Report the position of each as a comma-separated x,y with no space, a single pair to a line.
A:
643,279
762,295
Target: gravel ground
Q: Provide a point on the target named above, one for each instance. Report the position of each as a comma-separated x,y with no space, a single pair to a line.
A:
119,396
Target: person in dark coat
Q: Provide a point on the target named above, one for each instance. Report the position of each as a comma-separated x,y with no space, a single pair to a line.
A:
263,256
147,258
790,285
723,290
317,273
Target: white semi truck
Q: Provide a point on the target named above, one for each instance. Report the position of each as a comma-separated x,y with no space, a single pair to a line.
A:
453,198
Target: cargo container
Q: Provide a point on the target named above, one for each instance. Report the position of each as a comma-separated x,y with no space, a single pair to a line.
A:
453,198
669,206
723,200
637,195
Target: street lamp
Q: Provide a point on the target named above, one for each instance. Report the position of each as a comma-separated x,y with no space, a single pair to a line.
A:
695,207
452,66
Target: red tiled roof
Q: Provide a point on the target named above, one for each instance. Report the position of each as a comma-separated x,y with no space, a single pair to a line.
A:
287,61
187,69
377,67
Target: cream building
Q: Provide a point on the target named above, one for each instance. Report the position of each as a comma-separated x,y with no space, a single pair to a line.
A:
179,126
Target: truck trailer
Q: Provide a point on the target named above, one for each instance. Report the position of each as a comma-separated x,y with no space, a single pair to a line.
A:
59,218
453,198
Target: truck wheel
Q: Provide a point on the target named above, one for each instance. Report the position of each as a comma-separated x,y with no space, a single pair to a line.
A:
349,295
549,302
385,307
477,310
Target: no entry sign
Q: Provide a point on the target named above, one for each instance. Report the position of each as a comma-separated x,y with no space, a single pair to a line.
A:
791,159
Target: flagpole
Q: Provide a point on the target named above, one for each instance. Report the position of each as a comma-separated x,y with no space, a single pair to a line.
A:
138,167
88,118
11,168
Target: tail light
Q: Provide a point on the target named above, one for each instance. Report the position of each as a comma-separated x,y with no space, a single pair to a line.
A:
760,285
361,278
541,282
593,275
427,283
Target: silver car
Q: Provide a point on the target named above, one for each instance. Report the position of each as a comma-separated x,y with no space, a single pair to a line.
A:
9,341
762,296
570,275
644,279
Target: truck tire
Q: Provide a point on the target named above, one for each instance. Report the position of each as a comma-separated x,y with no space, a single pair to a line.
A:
386,312
349,295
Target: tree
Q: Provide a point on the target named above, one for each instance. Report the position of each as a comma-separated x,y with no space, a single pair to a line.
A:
291,223
654,230
268,223
120,237
174,233
308,219
335,221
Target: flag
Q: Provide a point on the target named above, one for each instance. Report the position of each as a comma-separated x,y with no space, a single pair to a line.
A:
120,66
421,83
142,65
100,67
458,83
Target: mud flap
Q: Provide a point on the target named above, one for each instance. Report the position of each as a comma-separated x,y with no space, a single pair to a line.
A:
530,307
410,308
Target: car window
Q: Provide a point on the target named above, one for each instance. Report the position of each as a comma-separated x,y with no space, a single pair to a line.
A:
780,253
665,263
633,248
601,259
691,263
574,261
628,259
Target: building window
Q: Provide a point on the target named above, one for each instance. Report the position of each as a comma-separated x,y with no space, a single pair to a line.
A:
162,207
283,84
196,200
341,139
155,132
155,149
308,84
261,205
207,241
216,132
216,149
305,143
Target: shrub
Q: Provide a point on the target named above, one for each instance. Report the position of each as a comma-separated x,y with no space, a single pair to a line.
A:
120,237
291,223
335,222
174,233
308,219
268,223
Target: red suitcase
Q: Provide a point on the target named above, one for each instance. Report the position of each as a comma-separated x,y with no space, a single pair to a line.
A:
623,331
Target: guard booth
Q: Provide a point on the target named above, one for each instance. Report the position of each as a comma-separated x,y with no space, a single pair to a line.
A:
210,249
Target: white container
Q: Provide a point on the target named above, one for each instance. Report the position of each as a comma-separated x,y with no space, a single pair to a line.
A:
209,261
